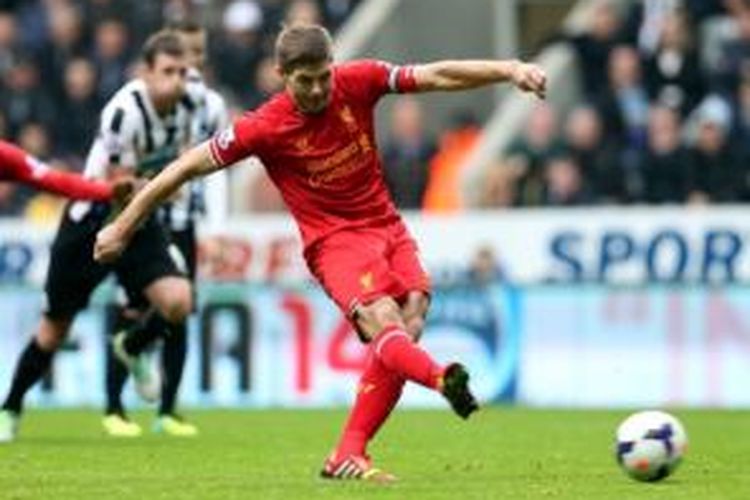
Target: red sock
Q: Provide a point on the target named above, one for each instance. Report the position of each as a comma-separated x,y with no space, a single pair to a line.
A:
401,354
378,392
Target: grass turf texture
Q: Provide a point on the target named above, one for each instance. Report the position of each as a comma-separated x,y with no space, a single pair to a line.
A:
499,453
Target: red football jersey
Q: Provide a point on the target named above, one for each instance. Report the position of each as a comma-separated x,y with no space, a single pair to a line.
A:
17,165
325,165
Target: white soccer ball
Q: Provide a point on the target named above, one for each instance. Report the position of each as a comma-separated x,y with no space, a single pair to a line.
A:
650,445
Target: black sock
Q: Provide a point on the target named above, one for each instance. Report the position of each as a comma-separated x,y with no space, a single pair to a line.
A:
174,352
145,332
32,365
117,372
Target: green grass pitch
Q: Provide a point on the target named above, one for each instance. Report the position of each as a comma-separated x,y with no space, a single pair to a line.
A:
500,453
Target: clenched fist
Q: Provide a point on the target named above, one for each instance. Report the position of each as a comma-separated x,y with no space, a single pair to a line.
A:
530,78
110,243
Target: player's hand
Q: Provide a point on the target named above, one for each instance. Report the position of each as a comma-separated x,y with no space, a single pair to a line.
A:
110,243
123,190
530,78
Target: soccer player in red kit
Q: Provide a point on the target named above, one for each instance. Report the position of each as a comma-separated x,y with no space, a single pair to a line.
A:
317,142
17,165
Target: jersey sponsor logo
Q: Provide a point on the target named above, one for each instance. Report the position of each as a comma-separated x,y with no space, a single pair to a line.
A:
346,115
303,144
367,281
226,138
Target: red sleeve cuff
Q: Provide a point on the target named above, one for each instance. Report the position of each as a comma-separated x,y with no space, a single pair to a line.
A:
402,80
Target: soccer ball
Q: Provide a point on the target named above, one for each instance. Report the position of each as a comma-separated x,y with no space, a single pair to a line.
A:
650,445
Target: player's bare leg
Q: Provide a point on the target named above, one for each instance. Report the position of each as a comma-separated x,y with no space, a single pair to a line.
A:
394,358
32,366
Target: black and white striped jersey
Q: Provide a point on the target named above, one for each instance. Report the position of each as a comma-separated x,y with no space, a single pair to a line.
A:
133,135
207,197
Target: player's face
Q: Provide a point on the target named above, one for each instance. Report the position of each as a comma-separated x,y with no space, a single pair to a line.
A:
195,49
165,79
310,86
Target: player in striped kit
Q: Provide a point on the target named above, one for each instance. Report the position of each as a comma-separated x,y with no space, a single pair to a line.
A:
204,198
144,126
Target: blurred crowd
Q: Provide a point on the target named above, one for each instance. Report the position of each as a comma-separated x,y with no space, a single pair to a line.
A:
664,118
664,115
61,60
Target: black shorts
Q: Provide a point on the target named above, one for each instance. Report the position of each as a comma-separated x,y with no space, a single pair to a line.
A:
73,273
183,250
185,242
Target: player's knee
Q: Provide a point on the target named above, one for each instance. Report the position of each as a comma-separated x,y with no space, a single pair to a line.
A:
414,312
177,306
52,334
373,318
415,327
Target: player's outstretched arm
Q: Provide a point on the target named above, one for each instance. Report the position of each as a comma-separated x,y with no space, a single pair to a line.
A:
469,74
112,239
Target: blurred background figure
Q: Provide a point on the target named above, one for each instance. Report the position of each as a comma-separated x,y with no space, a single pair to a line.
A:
597,156
529,154
407,154
111,56
666,162
443,191
563,183
594,45
485,268
672,69
716,171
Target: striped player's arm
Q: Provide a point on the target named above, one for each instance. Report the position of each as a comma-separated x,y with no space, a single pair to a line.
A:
112,240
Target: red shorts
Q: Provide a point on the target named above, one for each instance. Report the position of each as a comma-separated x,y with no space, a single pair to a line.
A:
358,266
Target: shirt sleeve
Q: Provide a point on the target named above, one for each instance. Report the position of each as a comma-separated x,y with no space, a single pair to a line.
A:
239,140
375,78
21,167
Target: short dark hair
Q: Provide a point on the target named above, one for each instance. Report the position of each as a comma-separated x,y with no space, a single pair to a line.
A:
186,26
162,42
301,45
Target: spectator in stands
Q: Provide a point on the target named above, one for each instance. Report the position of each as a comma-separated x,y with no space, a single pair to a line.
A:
407,154
485,268
529,153
593,47
672,72
33,138
23,99
734,59
598,158
444,189
267,83
8,41
624,104
65,42
238,49
336,11
303,12
716,172
665,165
35,206
78,110
741,126
563,183
499,186
111,56
703,9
